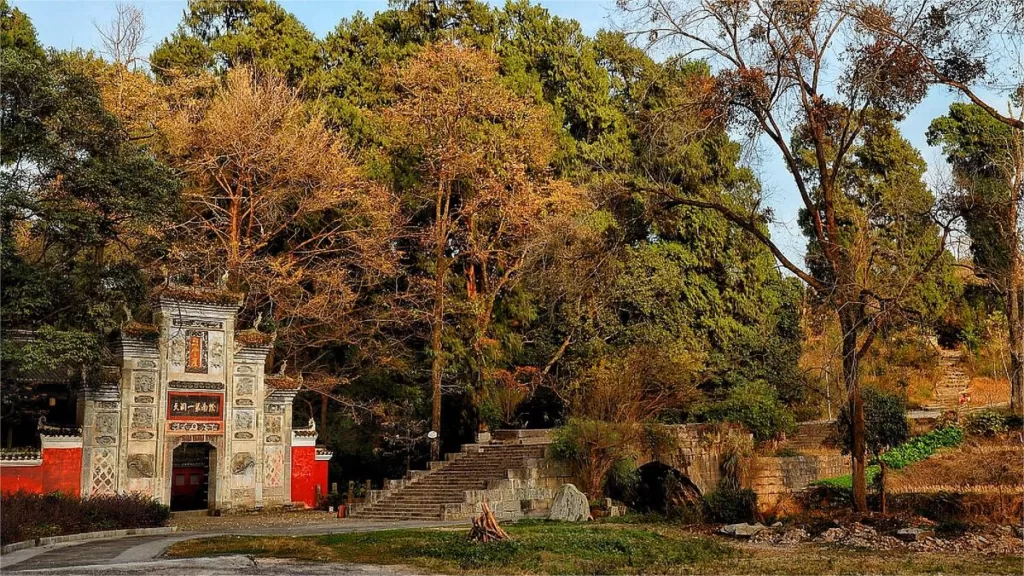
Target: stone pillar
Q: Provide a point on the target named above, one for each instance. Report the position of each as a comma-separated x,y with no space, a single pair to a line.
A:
101,434
141,392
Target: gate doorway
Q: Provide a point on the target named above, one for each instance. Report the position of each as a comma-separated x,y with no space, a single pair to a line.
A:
193,465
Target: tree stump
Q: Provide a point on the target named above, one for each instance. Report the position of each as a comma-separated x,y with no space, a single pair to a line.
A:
486,528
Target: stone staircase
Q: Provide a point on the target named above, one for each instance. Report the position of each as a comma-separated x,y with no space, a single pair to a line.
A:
812,437
954,381
504,474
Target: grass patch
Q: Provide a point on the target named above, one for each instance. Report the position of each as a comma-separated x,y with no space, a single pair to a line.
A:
536,547
593,548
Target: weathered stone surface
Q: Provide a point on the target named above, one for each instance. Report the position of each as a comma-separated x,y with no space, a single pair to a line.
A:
570,505
909,534
742,530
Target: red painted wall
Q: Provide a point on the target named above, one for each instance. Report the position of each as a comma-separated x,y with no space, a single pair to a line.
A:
307,473
61,470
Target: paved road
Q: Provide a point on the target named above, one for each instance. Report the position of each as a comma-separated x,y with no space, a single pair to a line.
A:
137,554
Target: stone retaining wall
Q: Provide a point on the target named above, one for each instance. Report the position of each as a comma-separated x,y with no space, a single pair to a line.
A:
774,478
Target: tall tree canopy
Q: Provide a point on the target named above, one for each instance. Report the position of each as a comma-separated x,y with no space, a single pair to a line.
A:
987,156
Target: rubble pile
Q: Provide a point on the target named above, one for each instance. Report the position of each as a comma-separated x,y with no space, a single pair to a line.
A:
998,540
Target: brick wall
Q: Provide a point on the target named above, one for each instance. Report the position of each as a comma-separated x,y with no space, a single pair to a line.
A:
58,469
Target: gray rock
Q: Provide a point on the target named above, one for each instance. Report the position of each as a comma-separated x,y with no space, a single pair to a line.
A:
570,505
777,525
741,530
833,535
909,534
1018,530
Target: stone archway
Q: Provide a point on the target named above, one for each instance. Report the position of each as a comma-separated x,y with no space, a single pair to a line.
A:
202,455
664,489
193,476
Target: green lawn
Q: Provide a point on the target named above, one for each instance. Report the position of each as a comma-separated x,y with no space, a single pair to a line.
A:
595,548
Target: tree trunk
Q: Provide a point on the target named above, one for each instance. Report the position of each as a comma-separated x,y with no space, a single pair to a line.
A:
881,486
1015,314
436,365
849,321
323,413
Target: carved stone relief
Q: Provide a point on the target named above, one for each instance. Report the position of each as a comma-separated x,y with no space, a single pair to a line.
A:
244,435
216,355
243,402
144,383
177,355
244,369
143,435
273,439
143,399
147,364
140,466
142,418
273,409
106,440
107,405
242,463
244,419
244,387
106,423
273,424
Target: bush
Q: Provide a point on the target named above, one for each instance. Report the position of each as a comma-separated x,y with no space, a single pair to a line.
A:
731,505
756,406
986,423
593,448
28,516
885,421
921,447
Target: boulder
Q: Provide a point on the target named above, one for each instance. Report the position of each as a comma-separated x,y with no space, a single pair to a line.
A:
570,505
742,530
909,534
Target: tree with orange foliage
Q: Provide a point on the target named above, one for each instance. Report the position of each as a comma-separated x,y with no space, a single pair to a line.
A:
278,209
481,196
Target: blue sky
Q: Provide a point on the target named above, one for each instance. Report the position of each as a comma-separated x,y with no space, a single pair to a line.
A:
69,24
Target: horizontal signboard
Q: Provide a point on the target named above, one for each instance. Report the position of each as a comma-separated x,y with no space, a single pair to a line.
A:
198,406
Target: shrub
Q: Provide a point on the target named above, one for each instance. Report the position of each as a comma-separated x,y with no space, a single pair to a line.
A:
986,423
27,516
592,448
730,505
885,420
756,406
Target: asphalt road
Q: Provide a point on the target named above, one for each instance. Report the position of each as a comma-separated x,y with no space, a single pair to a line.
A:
138,554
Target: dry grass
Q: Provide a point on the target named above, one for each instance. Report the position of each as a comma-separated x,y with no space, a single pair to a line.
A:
974,463
986,391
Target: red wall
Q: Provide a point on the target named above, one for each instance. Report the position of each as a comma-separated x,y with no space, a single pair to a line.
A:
61,470
307,473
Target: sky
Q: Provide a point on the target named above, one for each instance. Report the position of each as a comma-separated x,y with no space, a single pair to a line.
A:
69,24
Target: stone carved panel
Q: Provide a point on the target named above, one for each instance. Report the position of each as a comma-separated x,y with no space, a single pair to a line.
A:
143,435
243,495
242,463
107,405
245,419
106,440
216,355
143,399
106,423
104,476
244,386
196,323
177,354
273,439
244,436
274,468
142,418
243,402
141,466
244,369
273,424
147,364
184,385
144,383
273,409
